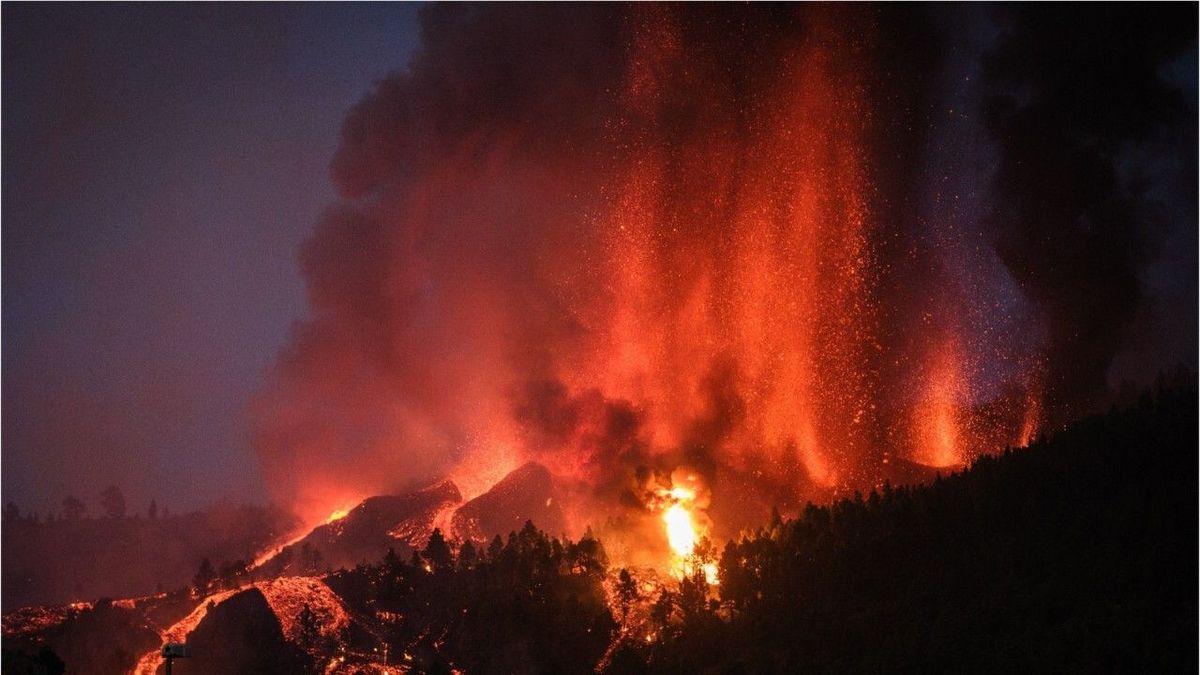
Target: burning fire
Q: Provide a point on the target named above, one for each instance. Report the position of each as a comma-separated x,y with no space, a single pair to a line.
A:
681,531
337,514
680,509
734,292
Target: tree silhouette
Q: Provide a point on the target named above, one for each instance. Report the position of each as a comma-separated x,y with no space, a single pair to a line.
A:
693,594
972,563
437,552
588,556
232,573
73,509
204,577
309,628
391,561
11,513
627,592
660,611
467,555
113,502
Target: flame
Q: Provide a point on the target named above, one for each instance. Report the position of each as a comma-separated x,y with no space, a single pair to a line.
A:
683,529
337,514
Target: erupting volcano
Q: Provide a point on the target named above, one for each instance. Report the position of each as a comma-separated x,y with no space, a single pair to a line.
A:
691,249
630,338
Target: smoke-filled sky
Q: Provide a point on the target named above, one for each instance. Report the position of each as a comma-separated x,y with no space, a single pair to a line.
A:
784,245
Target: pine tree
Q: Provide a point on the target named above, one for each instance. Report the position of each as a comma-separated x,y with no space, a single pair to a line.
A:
437,552
467,555
391,561
309,627
72,508
204,577
113,502
627,592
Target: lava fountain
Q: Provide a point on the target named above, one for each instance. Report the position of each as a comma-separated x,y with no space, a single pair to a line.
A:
631,239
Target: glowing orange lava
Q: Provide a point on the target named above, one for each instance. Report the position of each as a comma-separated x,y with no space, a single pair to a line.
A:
756,307
1031,420
149,663
716,285
683,530
286,596
938,440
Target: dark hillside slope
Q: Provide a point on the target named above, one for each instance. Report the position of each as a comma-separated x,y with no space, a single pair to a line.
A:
366,532
1078,554
529,492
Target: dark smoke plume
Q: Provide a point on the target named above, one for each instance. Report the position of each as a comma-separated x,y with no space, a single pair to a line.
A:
624,239
1076,96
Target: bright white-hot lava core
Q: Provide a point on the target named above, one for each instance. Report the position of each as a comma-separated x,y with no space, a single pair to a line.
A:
680,515
337,514
681,533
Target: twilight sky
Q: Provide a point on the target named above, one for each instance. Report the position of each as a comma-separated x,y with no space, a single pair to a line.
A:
161,167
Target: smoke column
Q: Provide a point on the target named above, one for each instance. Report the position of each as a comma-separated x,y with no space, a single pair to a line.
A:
623,240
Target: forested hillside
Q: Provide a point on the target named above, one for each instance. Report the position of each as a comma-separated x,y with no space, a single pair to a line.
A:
1077,554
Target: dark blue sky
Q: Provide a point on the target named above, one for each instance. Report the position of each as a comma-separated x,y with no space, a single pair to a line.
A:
161,166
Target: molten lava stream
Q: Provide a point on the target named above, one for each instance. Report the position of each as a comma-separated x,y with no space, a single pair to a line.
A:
149,663
262,558
285,595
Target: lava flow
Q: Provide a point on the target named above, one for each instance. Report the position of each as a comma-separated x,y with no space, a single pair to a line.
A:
286,597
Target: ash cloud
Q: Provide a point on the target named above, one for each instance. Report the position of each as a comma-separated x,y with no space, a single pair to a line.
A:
1074,97
460,179
555,225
